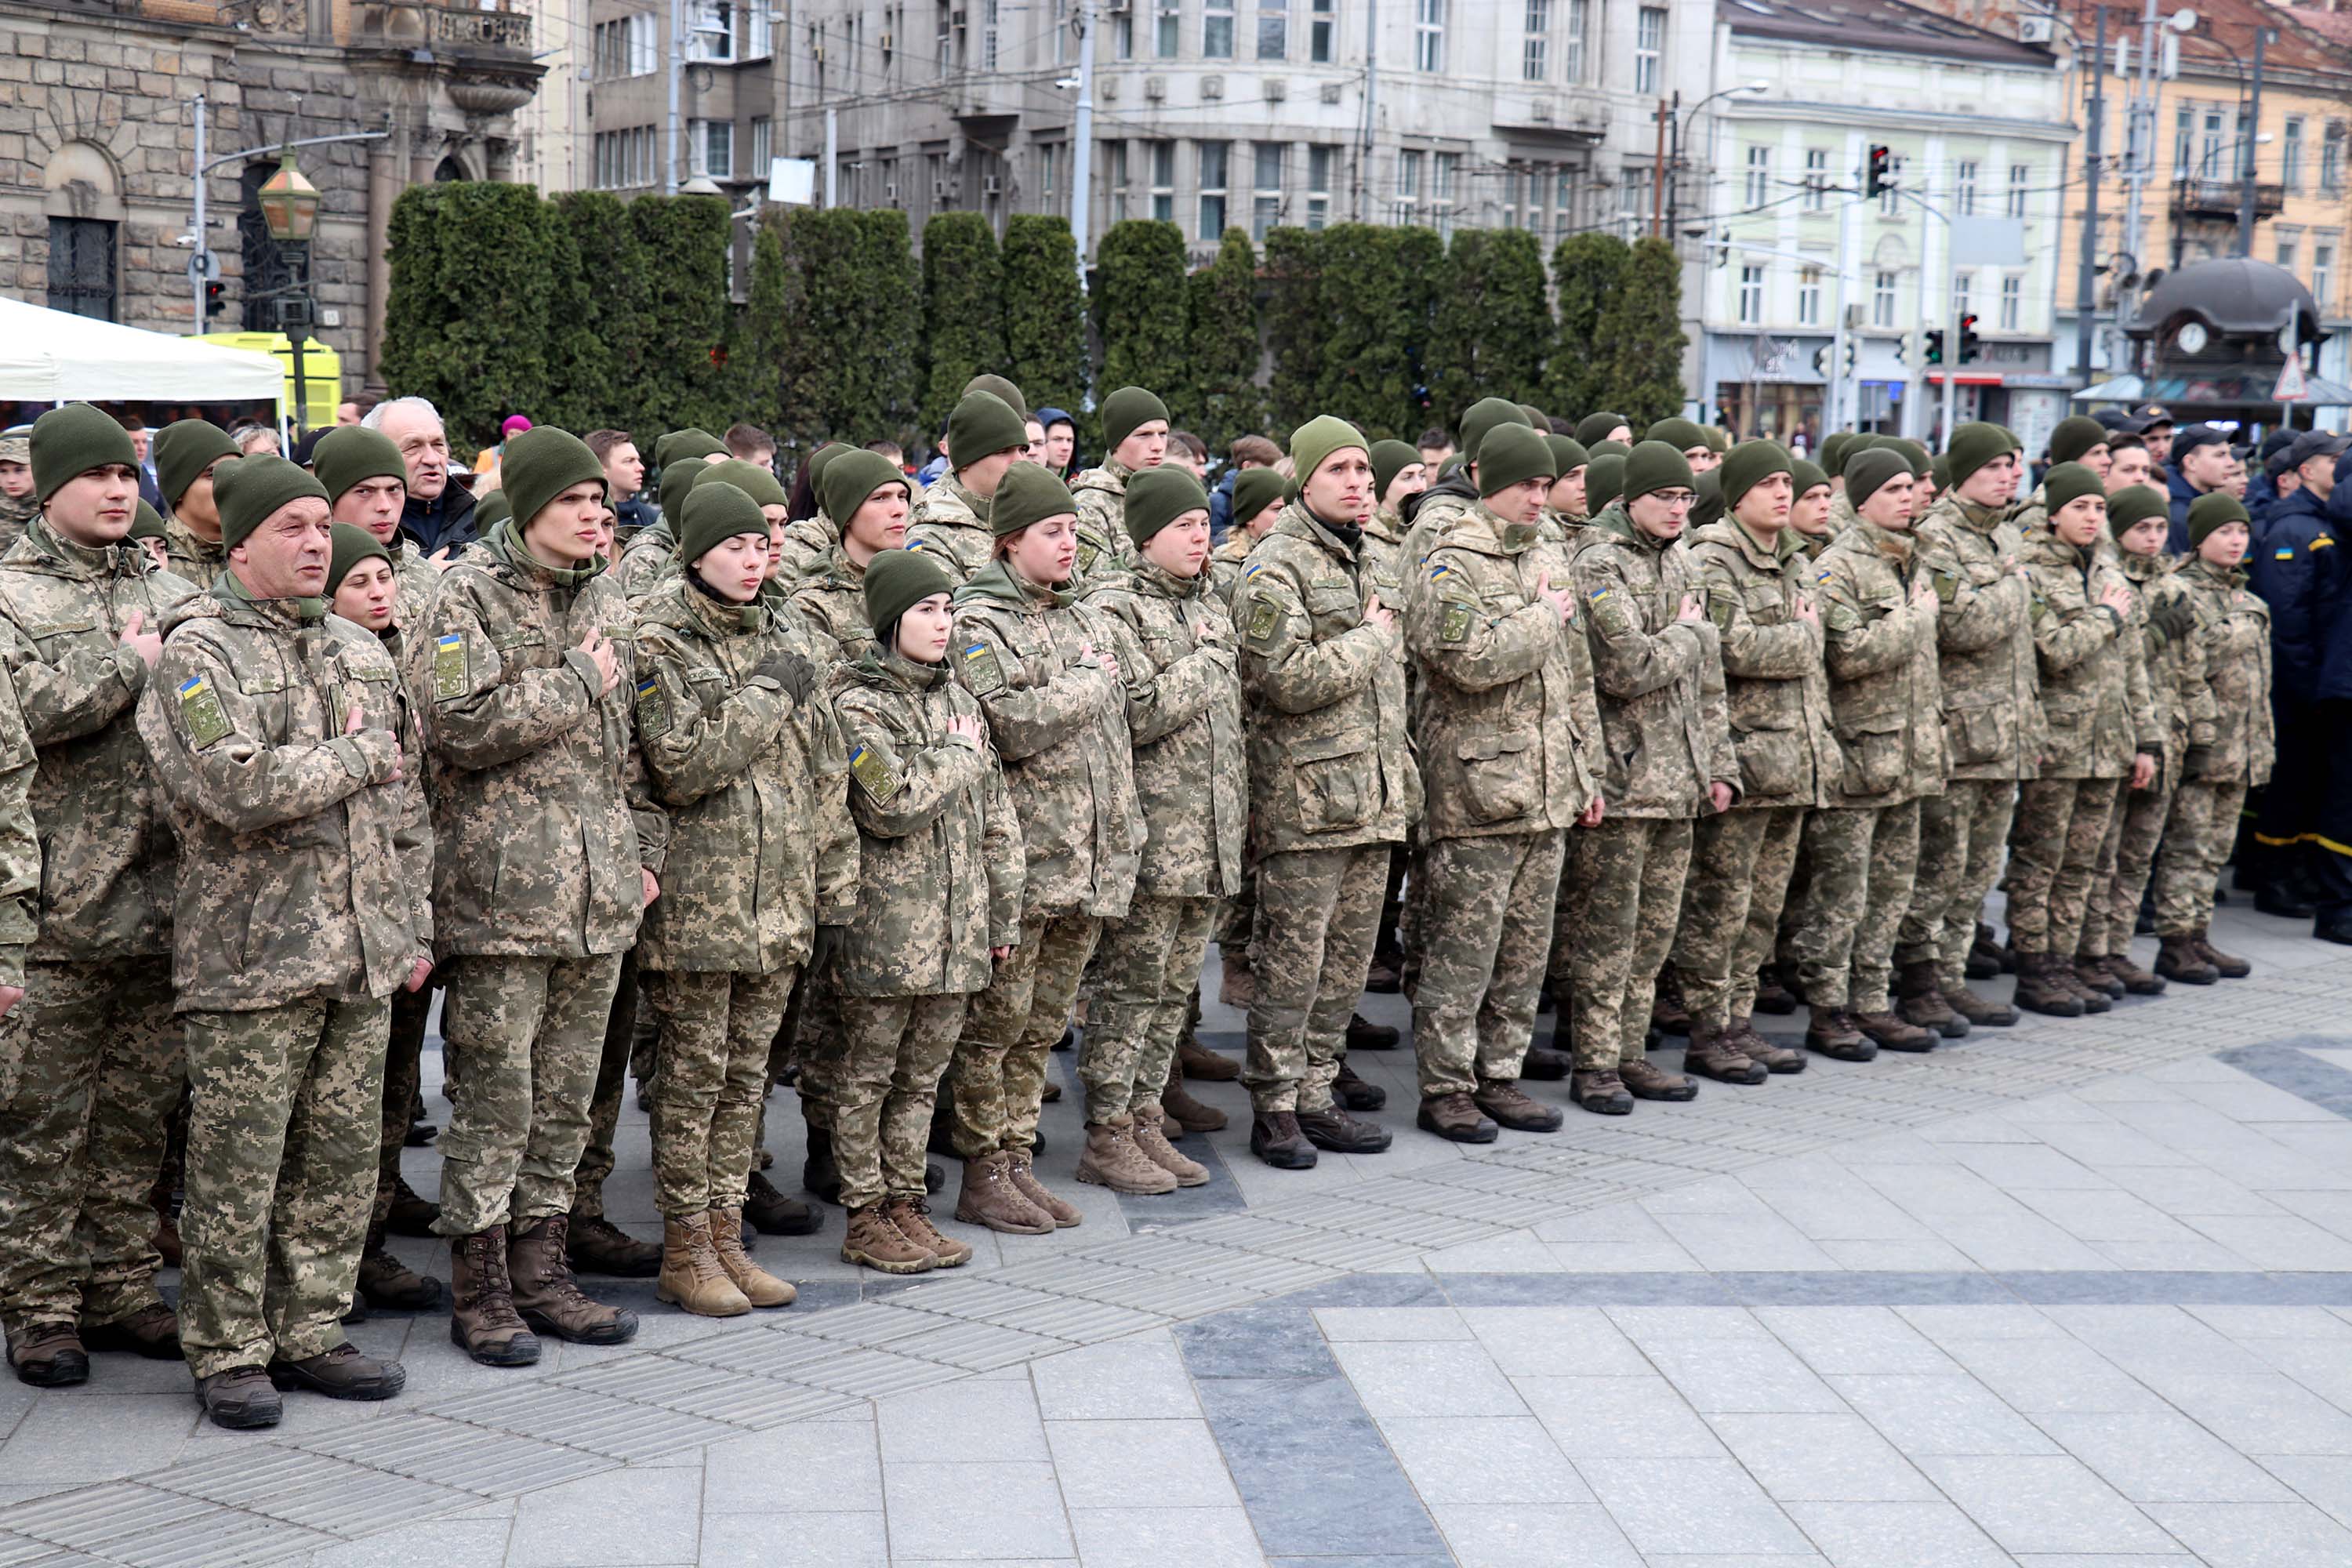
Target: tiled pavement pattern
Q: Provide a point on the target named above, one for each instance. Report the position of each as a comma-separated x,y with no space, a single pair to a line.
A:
2072,1294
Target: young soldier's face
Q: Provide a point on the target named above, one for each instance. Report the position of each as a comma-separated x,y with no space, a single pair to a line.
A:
1889,505
374,504
366,595
923,629
16,479
1661,514
2128,467
1521,503
1809,514
1568,491
2145,537
2080,520
2226,545
1181,548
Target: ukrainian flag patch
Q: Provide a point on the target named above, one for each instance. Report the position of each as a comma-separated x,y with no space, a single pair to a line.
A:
200,707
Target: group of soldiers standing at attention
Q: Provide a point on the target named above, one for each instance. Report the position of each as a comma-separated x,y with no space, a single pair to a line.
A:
874,788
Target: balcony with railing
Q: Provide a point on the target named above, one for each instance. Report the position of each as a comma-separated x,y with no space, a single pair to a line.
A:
2218,197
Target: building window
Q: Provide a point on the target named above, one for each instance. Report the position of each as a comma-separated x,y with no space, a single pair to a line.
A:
1571,67
1531,215
81,267
2184,136
1168,26
710,30
1323,32
1751,296
1265,187
1963,285
1759,176
1649,49
2021,183
2290,249
1115,153
1274,30
1817,179
763,146
1122,36
1964,189
1216,158
1319,162
2331,158
2291,153
1535,49
2012,301
758,32
1881,299
1048,154
1429,34
711,148
1635,200
2209,160
1408,184
2323,275
1809,297
988,35
624,159
1163,181
1449,183
1563,203
1217,30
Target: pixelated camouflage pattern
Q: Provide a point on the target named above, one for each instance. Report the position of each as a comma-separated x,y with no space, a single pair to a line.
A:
651,556
1144,971
190,557
1885,698
2053,855
999,1070
1861,864
716,1032
950,524
831,597
1628,874
2233,634
1103,542
807,542
1740,865
1776,689
1984,644
1488,940
2186,713
1319,913
2095,705
897,1049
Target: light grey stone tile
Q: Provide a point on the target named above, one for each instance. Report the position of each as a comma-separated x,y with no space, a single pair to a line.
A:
77,1436
2256,1535
2044,1503
2269,1413
962,1422
1896,1535
1822,1459
2245,1323
1558,1342
1697,1506
1622,1257
2038,1376
839,1540
2163,1457
1153,1537
2285,1242
1922,1255
1926,1414
1427,1378
2324,1480
623,1516
1134,1379
1519,1253
1742,1375
814,1467
1942,1323
1611,1222
1618,1417
1856,1340
1534,1535
1483,1460
430,1544
1745,1242
1390,1323
932,1509
1715,1325
1139,1464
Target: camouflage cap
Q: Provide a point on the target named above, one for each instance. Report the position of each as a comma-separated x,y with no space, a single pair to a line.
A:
17,444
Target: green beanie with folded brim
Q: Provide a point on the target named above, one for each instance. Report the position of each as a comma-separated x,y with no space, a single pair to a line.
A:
983,425
1707,497
1390,458
1611,449
851,477
349,547
1922,459
1682,435
1655,466
543,462
1717,440
1483,416
1511,455
1863,441
683,446
1749,464
1313,443
1537,420
677,480
1806,475
251,490
1158,497
1973,445
345,456
2135,504
1254,489
1030,493
997,386
819,461
1567,454
1834,445
69,442
146,522
2076,435
1940,472
713,514
2212,510
1122,412
1596,426
2067,483
1604,481
186,447
492,509
1868,472
753,479
896,581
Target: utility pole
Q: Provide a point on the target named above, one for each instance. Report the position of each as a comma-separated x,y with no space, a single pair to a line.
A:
196,276
1082,131
832,156
1365,174
2085,270
675,131
2141,161
1838,393
1658,175
2252,137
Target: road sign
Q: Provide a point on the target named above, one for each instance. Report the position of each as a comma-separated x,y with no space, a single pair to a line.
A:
203,266
2291,387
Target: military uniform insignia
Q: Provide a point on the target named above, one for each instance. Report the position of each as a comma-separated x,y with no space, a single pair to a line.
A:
982,672
2321,541
1264,619
1088,556
1721,607
653,709
2286,554
878,777
1455,627
450,667
200,709
1948,584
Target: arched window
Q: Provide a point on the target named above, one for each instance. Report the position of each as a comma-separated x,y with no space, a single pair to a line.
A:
84,207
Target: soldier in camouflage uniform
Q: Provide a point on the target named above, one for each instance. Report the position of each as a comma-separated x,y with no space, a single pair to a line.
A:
547,854
282,737
1332,786
1879,622
1258,500
1045,669
742,750
654,551
1135,435
2232,627
91,1059
1564,509
1191,785
1658,668
941,885
188,454
2101,732
19,503
808,539
985,439
2079,439
1506,721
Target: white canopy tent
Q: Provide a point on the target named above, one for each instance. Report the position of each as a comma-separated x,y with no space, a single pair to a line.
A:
53,356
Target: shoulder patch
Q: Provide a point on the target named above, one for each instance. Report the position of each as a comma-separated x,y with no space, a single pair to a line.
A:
200,709
653,709
982,671
1087,555
2321,541
877,777
1263,619
1455,625
2287,555
1722,605
1948,583
450,667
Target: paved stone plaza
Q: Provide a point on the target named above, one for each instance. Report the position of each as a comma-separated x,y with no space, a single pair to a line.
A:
2074,1295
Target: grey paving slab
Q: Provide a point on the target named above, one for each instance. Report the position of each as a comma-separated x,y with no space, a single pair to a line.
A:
1895,1536
1618,1417
1144,1537
1483,1460
1140,1379
433,1543
1836,1458
1748,1373
2164,1457
2044,1503
933,1509
1554,1342
962,1421
814,1467
623,1517
1699,1505
1139,1464
1923,1414
1535,1535
2256,1535
1426,1378
838,1539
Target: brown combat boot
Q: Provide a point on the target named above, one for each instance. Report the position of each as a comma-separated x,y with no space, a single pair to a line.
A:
913,1219
1546,1064
873,1242
1196,1060
48,1355
482,1318
2061,971
759,1287
1982,1012
389,1283
1649,1082
1025,1180
1987,957
2179,958
772,1214
691,1278
1601,1092
1110,1159
1921,1001
2039,991
1742,1037
345,1371
1237,987
547,1297
1153,1145
1772,996
1710,1056
1456,1116
1509,1106
2091,969
597,1245
1276,1138
1668,1013
1892,1032
1351,1093
989,1198
151,1331
2134,980
1836,1033
2228,965
410,1215
1190,1114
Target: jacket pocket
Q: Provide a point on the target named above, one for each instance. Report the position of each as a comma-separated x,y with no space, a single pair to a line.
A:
1498,782
1977,732
1873,751
1336,780
1767,752
2070,719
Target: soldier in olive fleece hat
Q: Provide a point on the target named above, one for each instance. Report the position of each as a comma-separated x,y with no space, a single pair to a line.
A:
997,386
1029,494
711,514
1832,450
1511,455
897,581
1480,418
349,454
1122,413
252,490
349,547
1390,458
853,475
2079,439
1254,489
493,510
69,442
1749,464
1973,445
1655,466
1158,497
541,464
684,445
1597,426
1604,480
754,479
186,447
983,425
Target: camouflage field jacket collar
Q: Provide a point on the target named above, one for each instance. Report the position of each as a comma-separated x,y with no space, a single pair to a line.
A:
1384,526
1160,584
2146,568
1300,523
505,547
238,607
1813,544
691,606
1481,532
1762,556
54,550
894,669
2044,548
998,581
1616,520
19,509
979,504
2228,578
1983,519
1895,545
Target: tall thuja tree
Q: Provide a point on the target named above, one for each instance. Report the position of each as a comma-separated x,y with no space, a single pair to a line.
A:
1138,305
690,320
1492,322
465,321
1642,326
1296,329
764,378
831,383
1045,313
596,316
1587,271
964,331
1367,359
1222,400
1421,272
892,316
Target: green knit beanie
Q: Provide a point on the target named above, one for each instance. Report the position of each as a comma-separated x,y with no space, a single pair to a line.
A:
983,425
146,522
1657,466
2136,504
492,509
1611,449
69,442
2076,434
753,479
541,464
1834,445
1682,435
997,386
2068,482
1567,454
676,478
1312,444
713,514
1718,441
1860,442
1537,420
1158,497
682,446
1940,471
1804,475
1390,458
1030,493
1122,411
1254,489
2211,511
897,581
852,476
1867,472
1604,481
351,546
1481,417
1511,454
818,461
1975,445
186,447
1596,426
343,457
1749,464
1707,497
1921,459
251,489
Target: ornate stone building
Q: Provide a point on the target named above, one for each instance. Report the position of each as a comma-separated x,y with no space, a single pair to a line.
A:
100,107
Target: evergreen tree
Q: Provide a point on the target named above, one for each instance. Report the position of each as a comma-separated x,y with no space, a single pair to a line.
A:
1138,305
1421,272
1045,313
1492,323
831,384
761,363
1296,327
1367,351
1222,400
690,320
1642,326
892,315
465,321
1586,270
963,332
594,315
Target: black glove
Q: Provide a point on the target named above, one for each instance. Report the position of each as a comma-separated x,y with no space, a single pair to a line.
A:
791,671
2173,618
2195,762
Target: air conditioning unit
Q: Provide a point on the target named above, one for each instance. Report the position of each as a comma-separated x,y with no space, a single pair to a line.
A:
1331,92
1274,89
1212,87
1106,89
1116,7
890,191
992,184
939,190
2036,29
1155,87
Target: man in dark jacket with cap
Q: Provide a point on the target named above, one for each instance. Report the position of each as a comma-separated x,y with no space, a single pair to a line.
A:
2200,461
2301,572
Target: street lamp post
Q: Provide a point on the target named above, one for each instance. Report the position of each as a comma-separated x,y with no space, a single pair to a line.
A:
289,210
1681,122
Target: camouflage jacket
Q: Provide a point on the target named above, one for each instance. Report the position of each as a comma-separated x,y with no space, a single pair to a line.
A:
20,844
2233,630
749,766
1813,544
191,559
2095,693
647,560
2186,713
1984,641
1885,694
306,851
1184,711
807,542
1227,563
950,524
108,853
1330,762
1435,509
1058,720
1382,559
1102,495
1507,722
414,581
940,863
1775,689
15,511
1660,679
831,597
539,802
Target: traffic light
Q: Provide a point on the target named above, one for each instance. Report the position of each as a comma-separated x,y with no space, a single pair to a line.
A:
1936,345
1879,177
1852,356
215,298
1971,346
1822,360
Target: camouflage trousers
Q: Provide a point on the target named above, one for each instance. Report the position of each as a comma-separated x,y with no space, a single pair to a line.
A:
90,1069
403,1073
1146,966
2129,858
819,1042
2196,839
1629,874
629,1022
1000,1063
1963,834
287,1109
716,1032
530,1034
1740,862
1488,906
2053,857
896,1050
1863,864
1318,912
